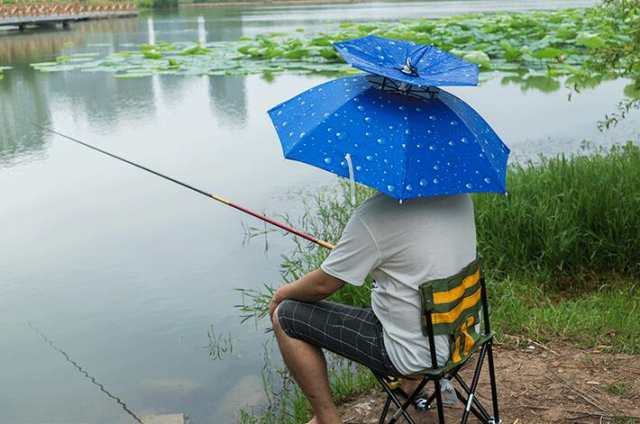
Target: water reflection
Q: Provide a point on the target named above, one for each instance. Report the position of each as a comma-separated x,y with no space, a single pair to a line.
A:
23,98
228,98
542,83
151,31
18,49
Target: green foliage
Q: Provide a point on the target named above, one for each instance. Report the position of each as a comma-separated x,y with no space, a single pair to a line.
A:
584,45
590,40
566,218
549,53
617,50
479,58
511,54
150,54
194,51
156,4
619,388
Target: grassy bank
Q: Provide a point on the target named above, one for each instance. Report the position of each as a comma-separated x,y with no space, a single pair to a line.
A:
562,253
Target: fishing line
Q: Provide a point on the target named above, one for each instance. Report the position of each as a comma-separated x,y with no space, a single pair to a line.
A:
85,373
220,199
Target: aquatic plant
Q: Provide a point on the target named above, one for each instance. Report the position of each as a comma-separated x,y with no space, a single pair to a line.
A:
220,345
583,46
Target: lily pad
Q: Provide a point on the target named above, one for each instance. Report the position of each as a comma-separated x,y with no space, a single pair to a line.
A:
479,58
548,44
590,40
549,53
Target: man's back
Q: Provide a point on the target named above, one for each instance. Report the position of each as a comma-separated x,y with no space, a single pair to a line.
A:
402,246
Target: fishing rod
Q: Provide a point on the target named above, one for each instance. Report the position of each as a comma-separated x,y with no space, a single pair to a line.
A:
217,198
84,372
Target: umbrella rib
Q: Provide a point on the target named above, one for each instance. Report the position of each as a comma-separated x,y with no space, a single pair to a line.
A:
454,109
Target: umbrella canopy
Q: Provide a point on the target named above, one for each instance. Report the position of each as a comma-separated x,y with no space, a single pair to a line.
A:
403,145
407,62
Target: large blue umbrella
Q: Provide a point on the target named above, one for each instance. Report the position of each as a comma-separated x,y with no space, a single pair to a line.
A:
407,62
403,145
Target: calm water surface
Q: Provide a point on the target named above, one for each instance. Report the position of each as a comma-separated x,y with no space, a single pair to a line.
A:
127,272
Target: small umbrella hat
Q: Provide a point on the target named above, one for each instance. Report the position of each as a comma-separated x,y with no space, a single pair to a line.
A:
403,145
407,62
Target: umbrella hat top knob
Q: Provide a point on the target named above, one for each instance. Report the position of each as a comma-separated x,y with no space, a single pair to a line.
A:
408,68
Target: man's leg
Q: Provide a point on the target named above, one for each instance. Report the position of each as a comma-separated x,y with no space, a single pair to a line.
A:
308,367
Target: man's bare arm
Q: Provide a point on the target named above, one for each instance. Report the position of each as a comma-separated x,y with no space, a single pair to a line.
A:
314,286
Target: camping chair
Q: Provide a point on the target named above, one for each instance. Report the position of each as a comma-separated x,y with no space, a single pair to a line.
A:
451,306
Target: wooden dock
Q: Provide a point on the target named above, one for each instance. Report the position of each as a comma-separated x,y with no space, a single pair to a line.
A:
59,14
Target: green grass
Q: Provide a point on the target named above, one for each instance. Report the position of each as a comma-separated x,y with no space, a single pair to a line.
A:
618,388
566,221
606,317
561,252
289,406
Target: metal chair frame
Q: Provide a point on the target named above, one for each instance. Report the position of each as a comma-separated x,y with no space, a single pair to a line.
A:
465,393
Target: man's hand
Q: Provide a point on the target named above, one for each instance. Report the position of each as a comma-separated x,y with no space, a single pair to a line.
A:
313,287
278,296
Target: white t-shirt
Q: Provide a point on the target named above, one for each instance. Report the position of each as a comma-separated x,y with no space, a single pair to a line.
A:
402,245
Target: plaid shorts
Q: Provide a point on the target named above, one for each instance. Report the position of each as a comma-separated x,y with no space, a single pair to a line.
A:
349,331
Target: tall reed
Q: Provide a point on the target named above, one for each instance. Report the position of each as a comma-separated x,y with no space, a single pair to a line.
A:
567,220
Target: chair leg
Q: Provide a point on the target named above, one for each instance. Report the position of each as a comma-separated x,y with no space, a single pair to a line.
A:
492,382
393,398
474,385
439,401
409,401
474,410
410,398
385,410
477,405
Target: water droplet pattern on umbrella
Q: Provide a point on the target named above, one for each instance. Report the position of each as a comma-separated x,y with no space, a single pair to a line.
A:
387,57
401,145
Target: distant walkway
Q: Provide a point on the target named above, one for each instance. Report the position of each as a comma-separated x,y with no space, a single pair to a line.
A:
21,16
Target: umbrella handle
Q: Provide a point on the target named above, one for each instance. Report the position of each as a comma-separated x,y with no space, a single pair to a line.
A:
352,180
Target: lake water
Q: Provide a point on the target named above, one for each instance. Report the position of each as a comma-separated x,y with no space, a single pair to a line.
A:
128,273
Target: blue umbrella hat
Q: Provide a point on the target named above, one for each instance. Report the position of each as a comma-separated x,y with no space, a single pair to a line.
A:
407,62
403,145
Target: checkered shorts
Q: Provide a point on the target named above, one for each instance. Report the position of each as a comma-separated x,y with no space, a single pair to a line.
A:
349,331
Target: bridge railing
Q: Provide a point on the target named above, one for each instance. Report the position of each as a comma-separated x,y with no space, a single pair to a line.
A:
56,9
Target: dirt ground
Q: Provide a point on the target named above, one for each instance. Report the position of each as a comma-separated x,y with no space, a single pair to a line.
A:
542,384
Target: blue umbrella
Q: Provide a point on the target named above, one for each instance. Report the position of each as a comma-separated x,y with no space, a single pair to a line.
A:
407,62
403,145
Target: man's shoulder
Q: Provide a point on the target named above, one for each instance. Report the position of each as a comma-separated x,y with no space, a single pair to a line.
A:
381,210
373,207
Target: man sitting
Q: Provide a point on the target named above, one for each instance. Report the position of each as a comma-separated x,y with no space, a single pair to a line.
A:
401,245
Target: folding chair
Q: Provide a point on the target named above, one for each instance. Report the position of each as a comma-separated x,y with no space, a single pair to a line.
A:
451,306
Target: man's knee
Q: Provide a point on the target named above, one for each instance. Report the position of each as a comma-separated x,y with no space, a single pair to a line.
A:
281,313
